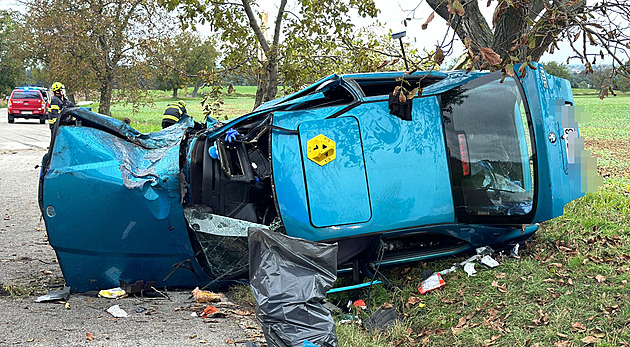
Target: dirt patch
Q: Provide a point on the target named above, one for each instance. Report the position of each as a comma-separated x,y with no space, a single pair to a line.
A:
619,149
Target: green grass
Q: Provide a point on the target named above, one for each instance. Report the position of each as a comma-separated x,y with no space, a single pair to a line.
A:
148,118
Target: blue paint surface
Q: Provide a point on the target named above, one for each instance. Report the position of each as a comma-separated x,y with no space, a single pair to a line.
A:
331,186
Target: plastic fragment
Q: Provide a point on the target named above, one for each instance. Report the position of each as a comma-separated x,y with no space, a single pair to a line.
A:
210,310
63,294
112,293
205,295
449,270
469,268
433,282
489,261
117,312
485,250
360,303
514,251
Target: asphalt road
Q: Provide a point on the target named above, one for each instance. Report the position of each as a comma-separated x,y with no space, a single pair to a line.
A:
23,134
28,268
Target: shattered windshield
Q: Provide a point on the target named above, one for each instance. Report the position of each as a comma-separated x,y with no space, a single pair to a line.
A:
490,146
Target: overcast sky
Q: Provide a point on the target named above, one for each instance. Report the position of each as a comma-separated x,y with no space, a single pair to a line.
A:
392,14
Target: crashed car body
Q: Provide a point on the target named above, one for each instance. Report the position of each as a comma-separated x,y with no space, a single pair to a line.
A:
474,161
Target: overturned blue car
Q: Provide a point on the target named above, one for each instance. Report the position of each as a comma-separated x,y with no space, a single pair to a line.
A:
477,159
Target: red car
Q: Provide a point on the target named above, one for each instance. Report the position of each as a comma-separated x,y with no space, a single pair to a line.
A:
28,103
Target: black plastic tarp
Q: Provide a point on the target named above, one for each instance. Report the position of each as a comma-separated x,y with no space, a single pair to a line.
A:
290,278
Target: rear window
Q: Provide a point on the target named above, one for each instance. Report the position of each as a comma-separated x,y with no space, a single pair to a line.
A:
26,95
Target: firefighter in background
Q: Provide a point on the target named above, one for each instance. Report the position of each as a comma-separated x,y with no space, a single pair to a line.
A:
57,104
173,113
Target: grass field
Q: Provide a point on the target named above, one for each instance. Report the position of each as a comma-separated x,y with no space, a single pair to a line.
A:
148,118
569,287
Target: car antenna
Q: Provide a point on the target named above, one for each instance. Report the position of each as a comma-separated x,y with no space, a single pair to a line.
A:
399,36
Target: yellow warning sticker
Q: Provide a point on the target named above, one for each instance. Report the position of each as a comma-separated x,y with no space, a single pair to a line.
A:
321,149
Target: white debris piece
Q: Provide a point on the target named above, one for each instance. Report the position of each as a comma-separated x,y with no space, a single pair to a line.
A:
470,269
489,261
117,312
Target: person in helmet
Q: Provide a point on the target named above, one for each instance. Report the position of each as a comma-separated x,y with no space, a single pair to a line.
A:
57,104
173,113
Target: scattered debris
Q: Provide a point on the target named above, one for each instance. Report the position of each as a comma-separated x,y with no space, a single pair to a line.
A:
433,282
117,312
469,268
89,336
360,304
381,319
57,295
140,309
205,295
514,251
112,293
209,311
488,261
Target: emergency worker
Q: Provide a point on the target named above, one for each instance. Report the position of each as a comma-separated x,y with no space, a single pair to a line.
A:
173,113
57,104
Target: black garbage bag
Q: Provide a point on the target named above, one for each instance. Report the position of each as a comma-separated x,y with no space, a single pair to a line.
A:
290,278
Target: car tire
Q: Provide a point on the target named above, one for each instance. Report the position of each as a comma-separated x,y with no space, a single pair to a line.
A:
11,118
42,119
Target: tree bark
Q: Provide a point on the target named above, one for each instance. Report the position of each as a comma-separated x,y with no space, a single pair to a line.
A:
175,93
471,25
106,97
267,82
196,89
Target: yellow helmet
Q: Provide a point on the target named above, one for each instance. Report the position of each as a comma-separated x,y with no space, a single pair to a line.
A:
56,86
181,103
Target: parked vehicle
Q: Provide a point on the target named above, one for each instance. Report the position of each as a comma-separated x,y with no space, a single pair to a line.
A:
28,103
478,159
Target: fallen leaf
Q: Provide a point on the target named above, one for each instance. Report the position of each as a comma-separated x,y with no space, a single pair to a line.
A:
89,336
387,306
500,275
412,301
600,278
590,339
578,326
192,336
559,334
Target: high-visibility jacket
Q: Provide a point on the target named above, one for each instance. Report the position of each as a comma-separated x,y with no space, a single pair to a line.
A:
172,114
57,104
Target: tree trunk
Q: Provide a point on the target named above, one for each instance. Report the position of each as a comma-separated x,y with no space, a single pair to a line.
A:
196,90
72,98
267,82
106,98
175,93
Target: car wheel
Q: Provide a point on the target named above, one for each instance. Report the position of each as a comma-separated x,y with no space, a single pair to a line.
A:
11,118
42,119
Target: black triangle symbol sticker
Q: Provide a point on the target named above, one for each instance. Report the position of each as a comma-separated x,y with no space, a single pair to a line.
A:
316,147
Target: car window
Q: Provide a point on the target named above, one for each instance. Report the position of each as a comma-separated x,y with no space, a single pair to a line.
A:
27,95
490,145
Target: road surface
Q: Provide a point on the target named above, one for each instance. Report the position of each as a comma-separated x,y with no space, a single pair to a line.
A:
28,268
